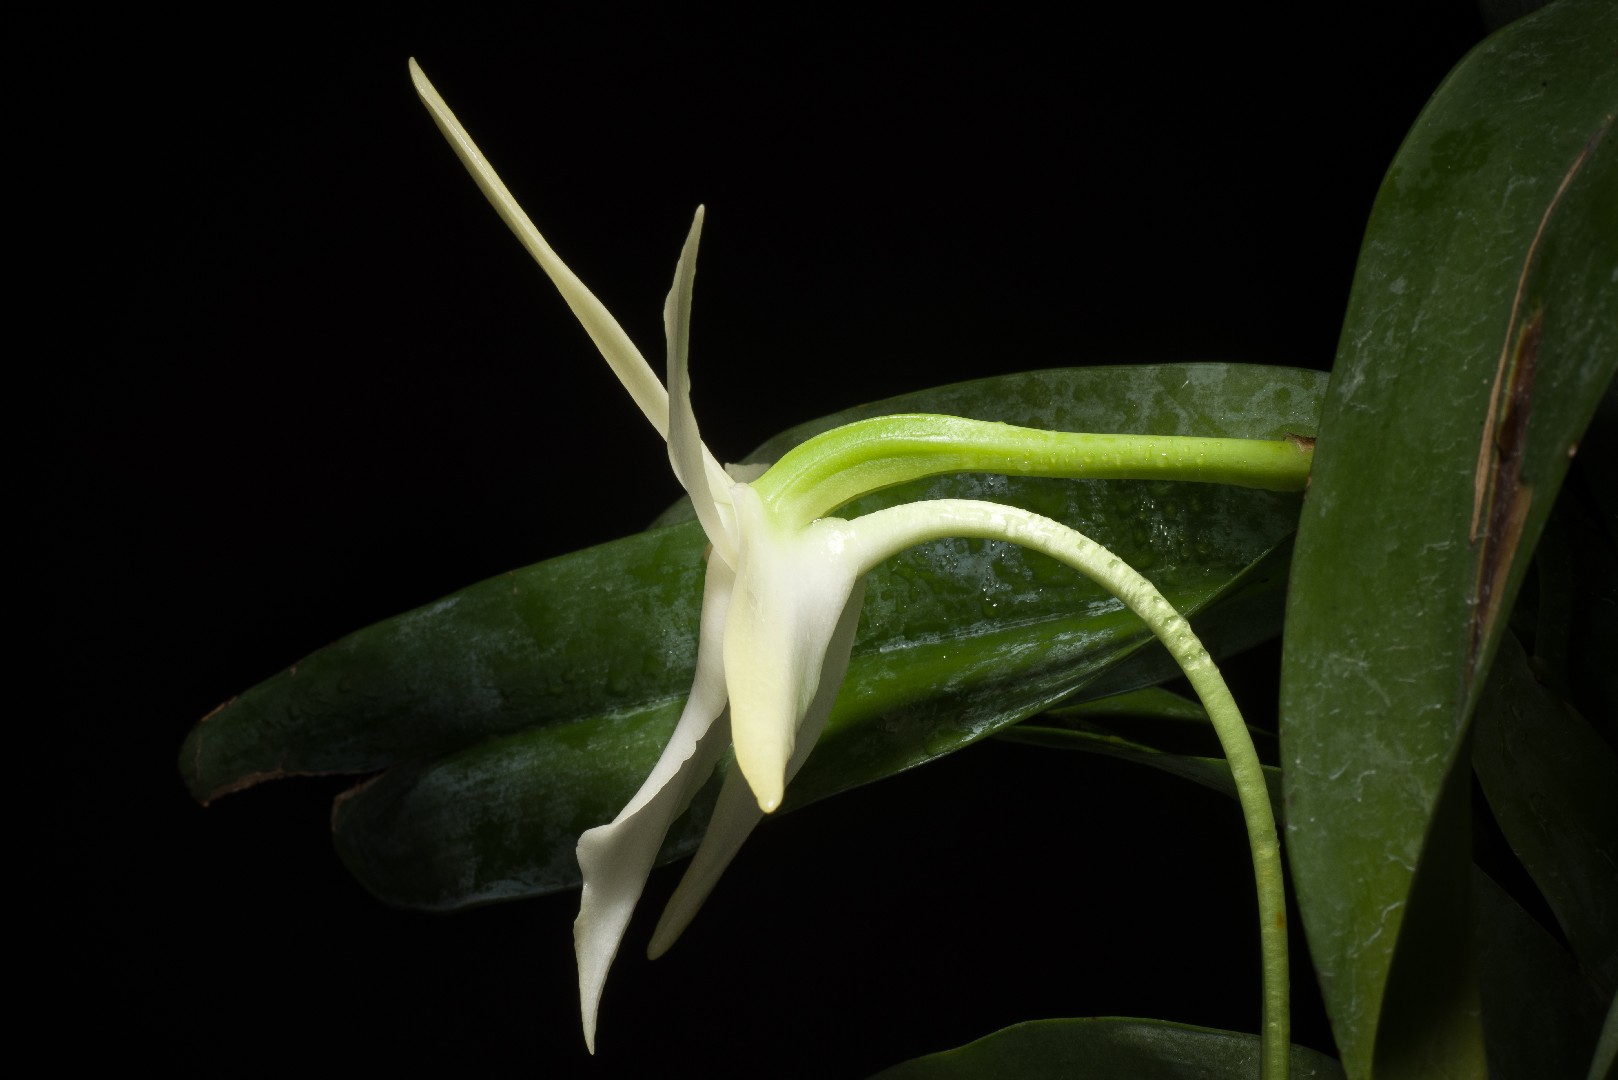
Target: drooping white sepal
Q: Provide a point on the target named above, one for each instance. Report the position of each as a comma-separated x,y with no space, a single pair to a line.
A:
615,859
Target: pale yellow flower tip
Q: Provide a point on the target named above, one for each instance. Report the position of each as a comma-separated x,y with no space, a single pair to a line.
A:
764,709
763,767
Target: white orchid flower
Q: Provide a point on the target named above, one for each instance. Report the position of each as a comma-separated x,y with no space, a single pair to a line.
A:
781,600
778,616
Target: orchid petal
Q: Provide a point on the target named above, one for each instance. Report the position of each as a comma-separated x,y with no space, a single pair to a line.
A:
620,353
735,816
695,468
617,858
737,812
791,588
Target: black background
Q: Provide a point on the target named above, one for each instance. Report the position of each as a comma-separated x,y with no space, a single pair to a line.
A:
286,374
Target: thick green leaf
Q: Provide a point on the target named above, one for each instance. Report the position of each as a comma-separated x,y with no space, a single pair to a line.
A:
607,630
1152,702
1432,1007
499,819
1481,330
1210,772
529,707
1246,615
1542,1015
1572,609
1553,786
613,629
1107,1048
1606,1055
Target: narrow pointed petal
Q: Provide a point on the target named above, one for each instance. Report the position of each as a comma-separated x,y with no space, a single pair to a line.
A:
734,817
620,353
617,858
791,589
737,812
696,469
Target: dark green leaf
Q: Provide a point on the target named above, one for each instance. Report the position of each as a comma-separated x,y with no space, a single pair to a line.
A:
528,707
1541,1013
1553,786
1431,1009
1606,1055
1152,702
601,631
1242,618
1210,772
1107,1048
1577,633
1482,328
500,819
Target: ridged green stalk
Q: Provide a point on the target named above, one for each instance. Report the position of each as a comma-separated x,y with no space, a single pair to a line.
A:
819,475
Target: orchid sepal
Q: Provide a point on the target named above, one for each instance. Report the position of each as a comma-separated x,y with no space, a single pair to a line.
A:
615,859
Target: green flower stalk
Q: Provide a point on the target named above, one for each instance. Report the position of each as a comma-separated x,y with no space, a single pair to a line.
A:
783,589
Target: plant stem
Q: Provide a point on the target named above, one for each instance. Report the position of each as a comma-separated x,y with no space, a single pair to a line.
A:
880,535
817,476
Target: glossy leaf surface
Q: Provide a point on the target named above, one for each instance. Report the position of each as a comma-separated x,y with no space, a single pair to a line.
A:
1482,329
499,820
1108,1047
1153,702
526,708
